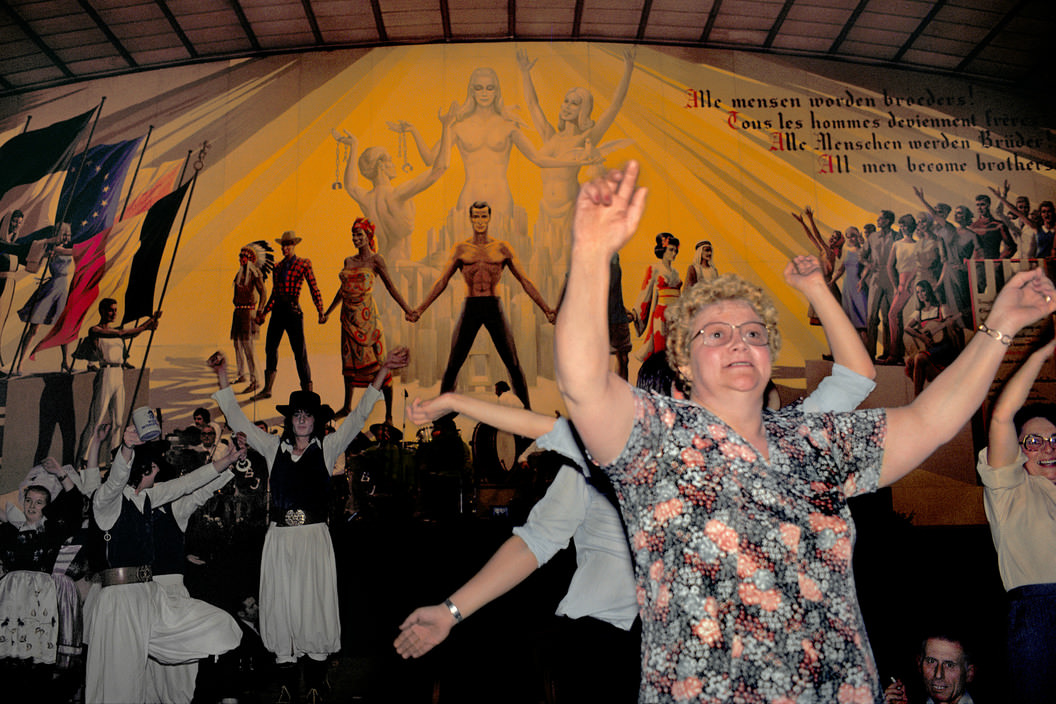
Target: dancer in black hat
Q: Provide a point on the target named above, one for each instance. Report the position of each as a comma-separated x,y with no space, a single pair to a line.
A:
298,579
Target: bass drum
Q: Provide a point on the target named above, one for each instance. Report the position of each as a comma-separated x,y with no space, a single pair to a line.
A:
494,453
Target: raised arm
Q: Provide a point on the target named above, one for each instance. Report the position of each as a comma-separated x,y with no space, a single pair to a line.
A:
542,125
923,201
606,119
513,420
935,416
599,402
264,443
427,153
1003,447
439,163
803,273
1013,211
351,177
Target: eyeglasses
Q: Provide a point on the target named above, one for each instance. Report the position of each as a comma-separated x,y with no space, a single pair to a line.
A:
719,334
1034,443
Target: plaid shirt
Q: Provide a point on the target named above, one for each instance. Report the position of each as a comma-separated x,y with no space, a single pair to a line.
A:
286,282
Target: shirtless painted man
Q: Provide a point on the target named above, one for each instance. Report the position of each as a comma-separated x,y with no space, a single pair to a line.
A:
482,260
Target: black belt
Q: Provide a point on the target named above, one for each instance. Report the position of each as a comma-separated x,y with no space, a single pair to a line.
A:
297,517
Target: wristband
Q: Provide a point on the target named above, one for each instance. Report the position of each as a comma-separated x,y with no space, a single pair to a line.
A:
454,610
996,334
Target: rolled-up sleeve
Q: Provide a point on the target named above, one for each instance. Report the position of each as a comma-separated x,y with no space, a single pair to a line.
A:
556,517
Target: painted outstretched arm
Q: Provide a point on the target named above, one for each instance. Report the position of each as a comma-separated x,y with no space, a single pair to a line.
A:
804,274
453,265
515,268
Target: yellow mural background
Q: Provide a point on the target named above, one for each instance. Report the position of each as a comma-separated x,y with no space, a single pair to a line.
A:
270,167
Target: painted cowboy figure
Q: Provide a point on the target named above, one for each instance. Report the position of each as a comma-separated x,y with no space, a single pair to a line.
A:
287,317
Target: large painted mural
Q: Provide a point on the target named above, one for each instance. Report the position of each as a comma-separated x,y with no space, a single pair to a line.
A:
763,158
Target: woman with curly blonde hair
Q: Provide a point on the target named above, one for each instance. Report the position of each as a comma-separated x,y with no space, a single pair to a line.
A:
737,516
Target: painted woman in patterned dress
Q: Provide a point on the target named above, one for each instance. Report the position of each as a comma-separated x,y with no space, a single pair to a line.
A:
362,339
660,288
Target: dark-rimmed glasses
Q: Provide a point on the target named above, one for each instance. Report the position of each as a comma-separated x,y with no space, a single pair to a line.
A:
1035,442
719,334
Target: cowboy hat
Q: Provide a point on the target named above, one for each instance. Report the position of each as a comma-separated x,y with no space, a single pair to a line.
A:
307,401
394,433
289,237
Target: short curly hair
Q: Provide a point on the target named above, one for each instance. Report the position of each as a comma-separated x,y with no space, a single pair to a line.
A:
728,287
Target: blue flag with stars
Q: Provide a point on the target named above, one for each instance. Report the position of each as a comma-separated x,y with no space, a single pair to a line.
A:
91,201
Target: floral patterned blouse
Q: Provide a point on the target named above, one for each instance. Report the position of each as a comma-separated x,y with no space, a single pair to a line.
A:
744,566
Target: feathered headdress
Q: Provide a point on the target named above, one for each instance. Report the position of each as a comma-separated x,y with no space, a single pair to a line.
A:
262,256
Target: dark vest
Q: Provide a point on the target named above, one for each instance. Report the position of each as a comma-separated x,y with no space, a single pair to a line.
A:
131,540
169,543
304,484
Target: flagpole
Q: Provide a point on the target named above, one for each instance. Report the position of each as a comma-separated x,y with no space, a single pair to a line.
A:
11,298
20,351
199,163
132,184
186,160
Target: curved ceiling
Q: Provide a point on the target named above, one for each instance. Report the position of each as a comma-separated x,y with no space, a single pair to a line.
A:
53,42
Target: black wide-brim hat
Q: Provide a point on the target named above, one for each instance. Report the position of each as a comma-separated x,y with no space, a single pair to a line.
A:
307,401
395,433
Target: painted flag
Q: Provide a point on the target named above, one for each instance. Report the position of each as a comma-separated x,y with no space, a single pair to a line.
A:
103,261
91,194
34,164
153,236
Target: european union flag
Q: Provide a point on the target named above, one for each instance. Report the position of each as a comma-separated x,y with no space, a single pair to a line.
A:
91,195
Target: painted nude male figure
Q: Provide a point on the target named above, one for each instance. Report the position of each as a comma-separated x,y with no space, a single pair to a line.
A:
482,260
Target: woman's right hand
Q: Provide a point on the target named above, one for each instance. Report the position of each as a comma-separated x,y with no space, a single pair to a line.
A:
423,630
1025,298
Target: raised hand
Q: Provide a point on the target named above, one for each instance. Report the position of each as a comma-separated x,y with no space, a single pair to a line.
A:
608,210
804,271
397,358
217,362
524,62
51,466
1026,297
344,137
